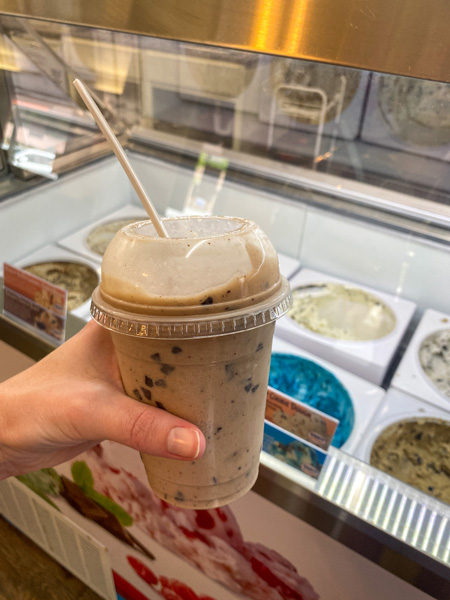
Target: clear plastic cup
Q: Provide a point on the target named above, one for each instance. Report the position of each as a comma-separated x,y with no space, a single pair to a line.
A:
192,320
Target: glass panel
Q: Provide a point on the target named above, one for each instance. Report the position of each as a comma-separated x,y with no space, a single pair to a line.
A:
358,164
46,121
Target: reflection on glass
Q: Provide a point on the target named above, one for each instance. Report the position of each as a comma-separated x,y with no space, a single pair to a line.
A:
418,112
291,80
387,131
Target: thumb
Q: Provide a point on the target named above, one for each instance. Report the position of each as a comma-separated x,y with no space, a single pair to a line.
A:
145,428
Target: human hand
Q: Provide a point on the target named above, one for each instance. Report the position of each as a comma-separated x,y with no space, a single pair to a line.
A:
73,399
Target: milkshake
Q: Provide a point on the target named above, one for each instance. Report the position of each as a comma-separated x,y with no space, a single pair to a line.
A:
192,318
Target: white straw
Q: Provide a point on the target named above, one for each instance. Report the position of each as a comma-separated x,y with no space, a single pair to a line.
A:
121,156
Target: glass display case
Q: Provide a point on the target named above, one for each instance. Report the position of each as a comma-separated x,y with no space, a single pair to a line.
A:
331,129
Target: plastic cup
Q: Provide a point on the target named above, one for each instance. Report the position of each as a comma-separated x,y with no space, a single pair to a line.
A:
192,318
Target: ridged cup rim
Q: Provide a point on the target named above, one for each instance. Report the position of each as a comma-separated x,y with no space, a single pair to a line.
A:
191,326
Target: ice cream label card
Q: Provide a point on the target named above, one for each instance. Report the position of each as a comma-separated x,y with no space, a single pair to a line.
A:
35,302
292,450
307,423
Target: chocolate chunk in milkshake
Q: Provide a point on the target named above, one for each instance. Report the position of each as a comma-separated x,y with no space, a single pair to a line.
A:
167,369
148,381
147,393
231,370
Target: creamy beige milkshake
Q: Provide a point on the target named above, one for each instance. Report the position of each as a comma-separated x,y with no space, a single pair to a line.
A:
192,318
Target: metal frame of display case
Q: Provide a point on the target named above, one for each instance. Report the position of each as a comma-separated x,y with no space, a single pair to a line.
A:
388,36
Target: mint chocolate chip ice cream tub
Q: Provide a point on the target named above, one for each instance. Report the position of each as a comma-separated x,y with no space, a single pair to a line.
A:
192,318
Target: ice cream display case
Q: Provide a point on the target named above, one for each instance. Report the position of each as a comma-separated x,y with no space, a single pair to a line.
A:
330,129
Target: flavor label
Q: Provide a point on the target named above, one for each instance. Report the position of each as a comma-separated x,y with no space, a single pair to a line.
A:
35,302
292,450
309,424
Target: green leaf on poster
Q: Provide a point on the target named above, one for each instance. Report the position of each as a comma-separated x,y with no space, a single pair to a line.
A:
122,516
82,475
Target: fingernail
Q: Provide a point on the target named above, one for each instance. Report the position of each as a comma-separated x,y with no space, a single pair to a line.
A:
184,442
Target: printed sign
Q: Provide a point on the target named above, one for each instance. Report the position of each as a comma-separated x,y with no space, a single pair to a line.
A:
292,450
35,302
300,419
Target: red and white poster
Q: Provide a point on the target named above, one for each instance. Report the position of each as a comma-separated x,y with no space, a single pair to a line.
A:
249,549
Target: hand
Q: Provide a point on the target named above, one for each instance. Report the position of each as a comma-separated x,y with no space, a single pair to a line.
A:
73,399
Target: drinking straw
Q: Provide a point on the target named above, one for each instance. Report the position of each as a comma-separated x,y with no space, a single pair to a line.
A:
121,156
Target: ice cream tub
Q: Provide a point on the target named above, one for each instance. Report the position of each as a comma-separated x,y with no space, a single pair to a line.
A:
424,371
325,388
67,270
409,439
91,241
354,327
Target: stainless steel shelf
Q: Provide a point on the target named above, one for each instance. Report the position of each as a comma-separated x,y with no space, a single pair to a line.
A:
421,522
390,36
